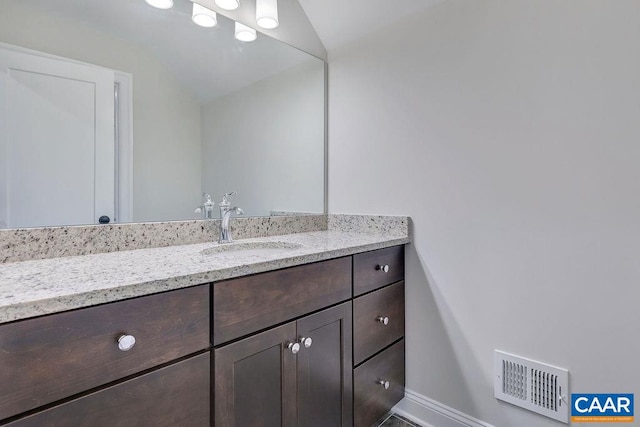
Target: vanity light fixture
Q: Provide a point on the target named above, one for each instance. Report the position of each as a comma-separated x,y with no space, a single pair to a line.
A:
160,4
267,13
244,33
228,4
203,16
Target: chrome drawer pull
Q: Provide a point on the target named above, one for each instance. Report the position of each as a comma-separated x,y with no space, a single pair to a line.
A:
383,268
126,342
306,342
384,384
384,320
294,347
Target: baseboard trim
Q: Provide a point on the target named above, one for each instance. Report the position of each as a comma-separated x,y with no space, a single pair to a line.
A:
430,413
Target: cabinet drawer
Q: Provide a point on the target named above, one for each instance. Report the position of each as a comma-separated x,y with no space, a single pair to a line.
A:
53,357
371,399
370,334
177,395
372,270
249,304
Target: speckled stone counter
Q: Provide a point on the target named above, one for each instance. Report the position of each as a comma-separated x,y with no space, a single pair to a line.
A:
53,242
38,287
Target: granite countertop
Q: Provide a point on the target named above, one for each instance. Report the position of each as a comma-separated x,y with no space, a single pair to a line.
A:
38,287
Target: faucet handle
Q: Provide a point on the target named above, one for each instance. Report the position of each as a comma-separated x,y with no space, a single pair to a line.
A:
225,198
207,202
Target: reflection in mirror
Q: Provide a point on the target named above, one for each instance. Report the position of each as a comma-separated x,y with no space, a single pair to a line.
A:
117,109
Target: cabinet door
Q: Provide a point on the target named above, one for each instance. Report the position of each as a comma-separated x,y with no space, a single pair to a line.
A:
255,380
324,369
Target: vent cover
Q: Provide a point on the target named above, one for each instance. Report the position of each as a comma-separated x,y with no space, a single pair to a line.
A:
532,385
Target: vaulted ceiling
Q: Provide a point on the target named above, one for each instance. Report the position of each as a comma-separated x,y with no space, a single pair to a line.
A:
339,22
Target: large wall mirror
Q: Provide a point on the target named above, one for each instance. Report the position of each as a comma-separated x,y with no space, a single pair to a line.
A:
115,108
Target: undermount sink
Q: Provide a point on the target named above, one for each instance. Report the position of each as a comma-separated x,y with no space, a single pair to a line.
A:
252,248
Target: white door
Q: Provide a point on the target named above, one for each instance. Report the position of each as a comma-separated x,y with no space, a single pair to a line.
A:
57,156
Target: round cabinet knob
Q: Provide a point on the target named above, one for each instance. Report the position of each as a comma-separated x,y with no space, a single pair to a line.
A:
384,268
306,342
126,342
384,320
384,384
294,347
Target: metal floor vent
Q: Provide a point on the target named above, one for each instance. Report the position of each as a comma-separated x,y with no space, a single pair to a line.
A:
532,385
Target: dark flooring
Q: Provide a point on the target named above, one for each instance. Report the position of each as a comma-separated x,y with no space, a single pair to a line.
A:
397,421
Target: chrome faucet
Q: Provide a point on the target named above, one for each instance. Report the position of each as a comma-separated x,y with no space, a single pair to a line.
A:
206,208
225,215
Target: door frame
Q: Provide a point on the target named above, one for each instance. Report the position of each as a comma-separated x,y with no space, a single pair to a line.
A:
124,147
123,133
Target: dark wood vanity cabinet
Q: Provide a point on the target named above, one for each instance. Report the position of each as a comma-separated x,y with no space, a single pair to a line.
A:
297,374
378,335
315,345
353,371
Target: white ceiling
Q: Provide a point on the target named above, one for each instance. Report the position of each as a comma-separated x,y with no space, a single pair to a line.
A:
339,22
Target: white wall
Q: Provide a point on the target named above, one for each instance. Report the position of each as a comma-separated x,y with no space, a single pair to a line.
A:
280,137
509,131
166,118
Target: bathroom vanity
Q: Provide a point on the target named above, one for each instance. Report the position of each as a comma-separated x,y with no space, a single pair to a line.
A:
298,323
303,329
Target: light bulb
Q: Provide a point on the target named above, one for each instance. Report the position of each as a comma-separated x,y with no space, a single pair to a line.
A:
228,4
267,13
203,16
161,4
244,33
